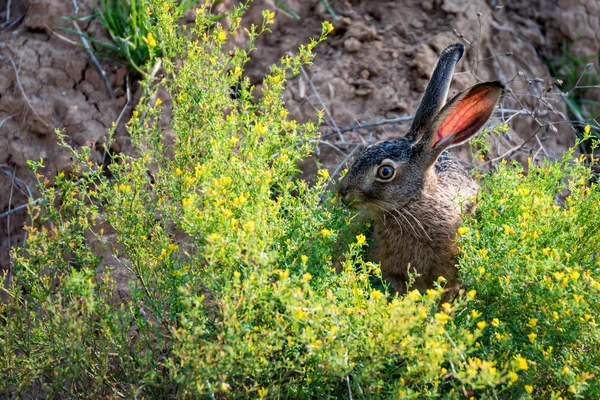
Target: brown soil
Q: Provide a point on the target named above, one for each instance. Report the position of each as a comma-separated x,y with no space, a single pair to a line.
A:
374,66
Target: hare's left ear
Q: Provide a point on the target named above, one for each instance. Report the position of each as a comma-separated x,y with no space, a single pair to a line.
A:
462,117
436,91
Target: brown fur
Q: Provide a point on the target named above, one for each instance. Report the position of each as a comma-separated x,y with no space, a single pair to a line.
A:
425,238
417,207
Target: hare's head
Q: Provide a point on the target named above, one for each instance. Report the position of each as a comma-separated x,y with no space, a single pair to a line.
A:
394,172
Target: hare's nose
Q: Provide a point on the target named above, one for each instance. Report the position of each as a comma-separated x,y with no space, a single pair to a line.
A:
346,198
345,194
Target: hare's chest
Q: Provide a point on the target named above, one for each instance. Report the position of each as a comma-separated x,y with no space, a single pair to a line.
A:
427,246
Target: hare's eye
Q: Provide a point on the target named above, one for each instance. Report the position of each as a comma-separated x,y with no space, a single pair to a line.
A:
385,172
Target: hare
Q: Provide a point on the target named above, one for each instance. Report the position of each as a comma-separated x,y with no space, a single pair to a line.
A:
414,190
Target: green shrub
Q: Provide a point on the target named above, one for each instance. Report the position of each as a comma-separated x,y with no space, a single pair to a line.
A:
531,255
232,289
130,27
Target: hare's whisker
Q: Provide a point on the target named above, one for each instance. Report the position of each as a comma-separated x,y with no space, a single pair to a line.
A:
402,210
386,211
397,212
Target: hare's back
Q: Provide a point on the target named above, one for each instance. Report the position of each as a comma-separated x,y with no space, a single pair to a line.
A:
455,181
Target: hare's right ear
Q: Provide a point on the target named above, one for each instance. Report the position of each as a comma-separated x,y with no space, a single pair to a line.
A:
460,119
465,114
437,90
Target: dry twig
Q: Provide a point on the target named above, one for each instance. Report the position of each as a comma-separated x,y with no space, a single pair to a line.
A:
325,109
18,79
10,263
121,114
94,60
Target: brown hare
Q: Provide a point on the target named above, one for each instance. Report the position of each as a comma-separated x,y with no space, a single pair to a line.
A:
414,190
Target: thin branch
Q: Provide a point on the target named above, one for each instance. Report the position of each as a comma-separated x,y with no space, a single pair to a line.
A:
342,164
576,86
361,125
7,11
312,86
18,79
4,120
19,183
388,121
511,151
10,263
348,380
586,87
152,98
94,60
21,207
542,146
61,37
128,92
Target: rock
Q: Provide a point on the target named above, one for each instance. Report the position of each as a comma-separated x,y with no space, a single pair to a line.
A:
352,45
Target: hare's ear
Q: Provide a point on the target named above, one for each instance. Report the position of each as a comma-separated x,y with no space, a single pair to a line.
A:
437,90
463,116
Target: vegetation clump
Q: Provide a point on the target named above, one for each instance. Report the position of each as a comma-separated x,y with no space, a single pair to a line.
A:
231,289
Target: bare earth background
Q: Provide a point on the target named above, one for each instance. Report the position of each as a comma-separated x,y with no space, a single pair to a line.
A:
374,66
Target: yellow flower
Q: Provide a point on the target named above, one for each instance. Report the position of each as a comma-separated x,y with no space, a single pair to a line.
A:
475,314
326,233
306,277
172,247
513,376
481,324
149,40
572,389
328,26
304,259
471,293
376,294
574,275
521,363
442,318
462,230
299,314
360,239
587,129
323,173
508,229
532,322
529,388
249,226
532,337
158,102
221,36
495,322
